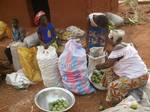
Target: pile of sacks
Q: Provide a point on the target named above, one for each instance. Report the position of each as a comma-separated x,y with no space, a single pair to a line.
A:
71,32
35,64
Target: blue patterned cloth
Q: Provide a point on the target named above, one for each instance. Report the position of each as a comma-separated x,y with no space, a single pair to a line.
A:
47,33
97,36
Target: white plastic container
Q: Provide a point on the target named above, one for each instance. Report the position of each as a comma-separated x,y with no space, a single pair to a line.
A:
93,60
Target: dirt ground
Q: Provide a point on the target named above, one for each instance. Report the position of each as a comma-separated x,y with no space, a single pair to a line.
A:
12,100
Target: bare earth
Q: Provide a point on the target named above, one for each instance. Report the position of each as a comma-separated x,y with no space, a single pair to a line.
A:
12,100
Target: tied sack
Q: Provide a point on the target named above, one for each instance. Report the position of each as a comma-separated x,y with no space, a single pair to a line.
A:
29,63
73,68
15,56
48,64
32,40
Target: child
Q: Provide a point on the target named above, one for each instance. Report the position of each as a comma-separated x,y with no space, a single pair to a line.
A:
18,32
98,30
46,30
18,35
129,70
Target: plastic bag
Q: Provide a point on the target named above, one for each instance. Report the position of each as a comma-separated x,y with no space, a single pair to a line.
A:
147,87
29,63
96,56
18,80
48,64
115,19
15,56
73,69
124,106
76,32
32,40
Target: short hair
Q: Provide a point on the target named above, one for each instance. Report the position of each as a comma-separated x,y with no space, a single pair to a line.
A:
101,20
15,19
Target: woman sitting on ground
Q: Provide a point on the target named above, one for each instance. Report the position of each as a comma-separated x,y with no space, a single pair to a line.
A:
46,30
129,70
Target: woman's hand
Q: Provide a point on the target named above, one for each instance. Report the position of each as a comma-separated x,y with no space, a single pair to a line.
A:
109,63
46,46
98,67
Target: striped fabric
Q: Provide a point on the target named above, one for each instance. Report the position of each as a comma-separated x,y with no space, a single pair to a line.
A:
73,69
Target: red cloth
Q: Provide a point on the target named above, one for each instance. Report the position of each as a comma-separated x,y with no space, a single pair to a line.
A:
38,16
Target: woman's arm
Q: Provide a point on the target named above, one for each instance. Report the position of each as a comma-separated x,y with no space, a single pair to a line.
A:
109,63
53,36
40,40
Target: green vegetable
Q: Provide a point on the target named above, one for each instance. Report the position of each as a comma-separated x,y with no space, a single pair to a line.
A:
100,108
96,77
58,105
134,105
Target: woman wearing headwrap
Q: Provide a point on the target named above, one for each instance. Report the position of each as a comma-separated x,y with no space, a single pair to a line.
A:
98,30
46,30
129,70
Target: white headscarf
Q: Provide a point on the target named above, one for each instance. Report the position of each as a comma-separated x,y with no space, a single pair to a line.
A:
116,34
91,18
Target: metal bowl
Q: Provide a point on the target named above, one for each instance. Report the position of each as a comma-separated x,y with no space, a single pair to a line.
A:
97,86
49,95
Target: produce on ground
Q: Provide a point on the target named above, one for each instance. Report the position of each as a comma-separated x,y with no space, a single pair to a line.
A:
58,105
101,107
134,105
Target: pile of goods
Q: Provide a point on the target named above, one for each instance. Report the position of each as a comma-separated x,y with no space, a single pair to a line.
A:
58,105
64,35
97,76
71,32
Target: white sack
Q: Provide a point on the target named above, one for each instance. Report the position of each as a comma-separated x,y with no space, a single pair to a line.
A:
15,56
48,64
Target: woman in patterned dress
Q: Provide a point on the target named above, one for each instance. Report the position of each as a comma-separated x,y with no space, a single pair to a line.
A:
129,70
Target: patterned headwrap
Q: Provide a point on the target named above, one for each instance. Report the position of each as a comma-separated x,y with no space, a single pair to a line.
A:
38,16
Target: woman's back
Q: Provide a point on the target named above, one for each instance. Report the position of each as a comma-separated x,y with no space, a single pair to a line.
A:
131,64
